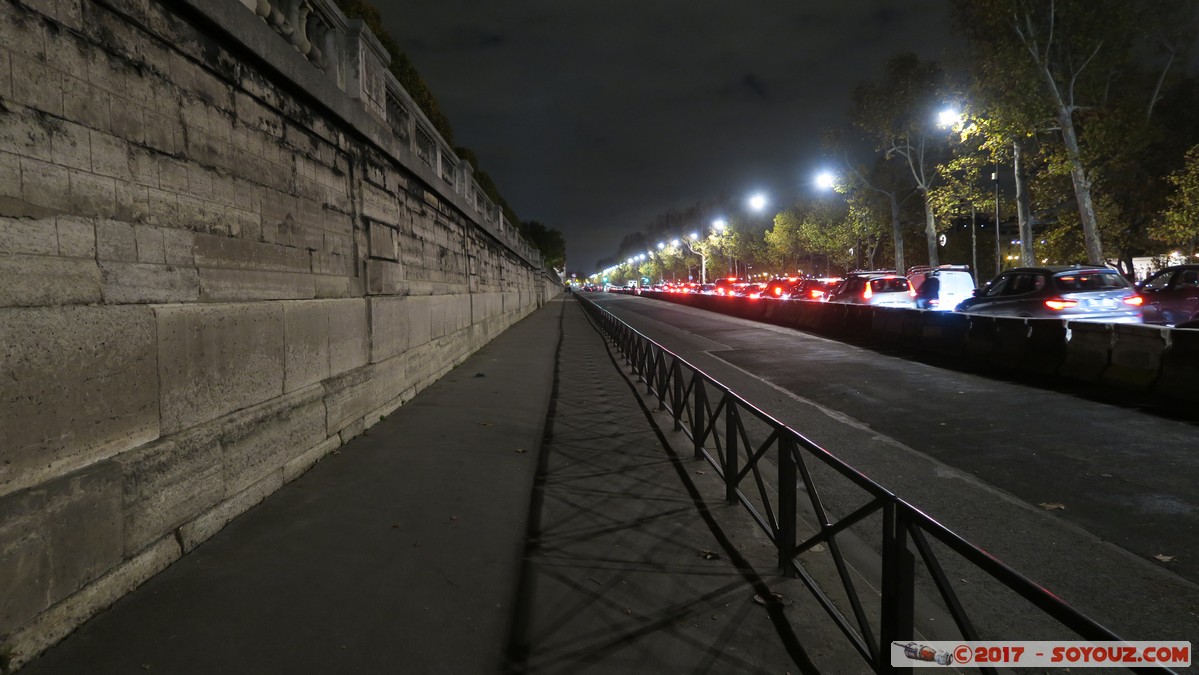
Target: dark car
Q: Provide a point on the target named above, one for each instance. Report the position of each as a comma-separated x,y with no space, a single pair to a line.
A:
1171,295
879,289
814,289
1077,293
780,288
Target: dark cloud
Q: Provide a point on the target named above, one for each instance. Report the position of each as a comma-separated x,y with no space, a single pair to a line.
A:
595,117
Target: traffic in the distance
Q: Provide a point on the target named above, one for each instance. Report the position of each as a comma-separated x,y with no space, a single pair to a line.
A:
1169,297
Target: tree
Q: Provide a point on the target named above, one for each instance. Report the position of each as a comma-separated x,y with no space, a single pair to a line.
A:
1081,59
1180,220
549,241
895,111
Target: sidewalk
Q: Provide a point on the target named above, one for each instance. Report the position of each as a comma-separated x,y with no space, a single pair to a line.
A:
427,546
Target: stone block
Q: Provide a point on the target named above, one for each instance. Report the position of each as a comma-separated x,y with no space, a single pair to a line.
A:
168,483
306,343
178,247
86,104
33,236
222,285
389,327
76,237
384,277
349,335
45,188
201,529
130,283
383,242
57,538
70,146
26,135
215,359
10,183
58,621
36,84
30,281
348,397
115,240
233,253
259,440
110,156
92,194
296,467
81,385
420,321
150,248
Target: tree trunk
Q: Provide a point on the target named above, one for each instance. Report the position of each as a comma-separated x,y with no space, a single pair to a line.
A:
896,233
1082,190
1023,206
930,232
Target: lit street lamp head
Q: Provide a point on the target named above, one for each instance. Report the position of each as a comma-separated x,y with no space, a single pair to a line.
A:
757,202
825,180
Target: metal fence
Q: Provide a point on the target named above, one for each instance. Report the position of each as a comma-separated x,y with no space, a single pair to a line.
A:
754,454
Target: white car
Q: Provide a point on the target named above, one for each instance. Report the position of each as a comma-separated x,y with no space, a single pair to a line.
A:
956,284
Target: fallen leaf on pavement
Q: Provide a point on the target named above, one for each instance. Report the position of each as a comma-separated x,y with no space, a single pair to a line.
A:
1052,506
708,555
1163,557
768,599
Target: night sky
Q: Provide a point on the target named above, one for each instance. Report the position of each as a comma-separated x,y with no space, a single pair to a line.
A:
595,117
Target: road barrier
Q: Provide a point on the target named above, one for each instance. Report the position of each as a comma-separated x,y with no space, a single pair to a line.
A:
1134,358
739,441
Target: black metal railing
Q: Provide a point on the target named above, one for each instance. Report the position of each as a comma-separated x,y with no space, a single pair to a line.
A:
724,430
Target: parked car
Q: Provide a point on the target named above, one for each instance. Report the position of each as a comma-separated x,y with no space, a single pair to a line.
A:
879,289
1078,293
707,289
814,289
955,283
1171,295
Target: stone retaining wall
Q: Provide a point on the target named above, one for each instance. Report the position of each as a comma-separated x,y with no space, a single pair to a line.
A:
221,257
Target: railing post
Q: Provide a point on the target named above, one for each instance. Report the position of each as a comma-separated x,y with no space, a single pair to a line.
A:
676,403
787,505
698,421
730,451
899,572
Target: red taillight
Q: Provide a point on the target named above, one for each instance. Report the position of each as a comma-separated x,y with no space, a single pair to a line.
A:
868,293
1134,300
816,294
1060,304
778,290
911,291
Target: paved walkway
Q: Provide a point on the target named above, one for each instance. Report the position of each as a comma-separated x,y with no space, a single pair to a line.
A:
472,532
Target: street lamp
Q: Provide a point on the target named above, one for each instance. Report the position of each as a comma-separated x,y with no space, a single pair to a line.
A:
757,202
825,180
948,118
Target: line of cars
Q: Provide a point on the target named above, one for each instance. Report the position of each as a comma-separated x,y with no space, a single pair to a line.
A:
1075,292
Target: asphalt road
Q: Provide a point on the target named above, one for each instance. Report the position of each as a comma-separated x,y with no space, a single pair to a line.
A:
1077,495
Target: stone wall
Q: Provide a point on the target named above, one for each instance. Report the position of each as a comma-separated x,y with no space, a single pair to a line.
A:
222,255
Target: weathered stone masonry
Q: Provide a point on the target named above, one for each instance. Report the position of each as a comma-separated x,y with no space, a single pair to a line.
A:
229,242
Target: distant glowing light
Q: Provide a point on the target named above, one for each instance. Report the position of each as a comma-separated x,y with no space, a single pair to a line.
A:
674,242
695,235
719,224
949,117
757,202
825,180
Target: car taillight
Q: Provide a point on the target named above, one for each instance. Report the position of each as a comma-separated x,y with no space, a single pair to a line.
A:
868,293
1060,304
1134,300
816,295
911,291
778,290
